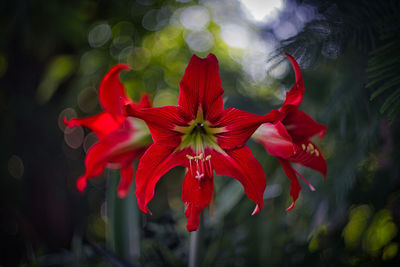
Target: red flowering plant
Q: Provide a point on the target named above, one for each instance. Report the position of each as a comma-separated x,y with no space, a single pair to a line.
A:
289,139
202,136
121,139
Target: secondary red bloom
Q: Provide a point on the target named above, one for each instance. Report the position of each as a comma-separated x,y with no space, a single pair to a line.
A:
202,136
121,139
289,140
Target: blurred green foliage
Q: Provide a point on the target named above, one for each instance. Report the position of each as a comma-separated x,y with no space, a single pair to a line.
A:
53,55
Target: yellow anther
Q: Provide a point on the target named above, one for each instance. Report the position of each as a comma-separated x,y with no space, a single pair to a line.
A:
310,148
208,157
312,151
316,153
189,157
303,146
198,157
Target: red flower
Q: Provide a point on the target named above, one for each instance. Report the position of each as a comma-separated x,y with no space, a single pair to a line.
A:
202,136
289,140
121,139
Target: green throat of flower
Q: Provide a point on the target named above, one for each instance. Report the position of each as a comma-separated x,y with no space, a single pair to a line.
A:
199,135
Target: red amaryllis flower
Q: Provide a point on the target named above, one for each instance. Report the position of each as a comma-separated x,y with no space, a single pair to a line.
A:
202,136
289,140
121,139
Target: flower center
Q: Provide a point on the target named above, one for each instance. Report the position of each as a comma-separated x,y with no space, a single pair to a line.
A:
198,135
199,127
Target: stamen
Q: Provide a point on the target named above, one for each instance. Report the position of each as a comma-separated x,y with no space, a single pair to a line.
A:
310,147
209,168
316,153
202,167
312,188
303,146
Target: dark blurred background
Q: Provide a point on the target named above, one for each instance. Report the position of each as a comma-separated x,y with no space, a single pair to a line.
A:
53,55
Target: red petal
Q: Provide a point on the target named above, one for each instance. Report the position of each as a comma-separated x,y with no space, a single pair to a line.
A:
192,212
201,87
239,125
125,182
112,92
241,165
161,121
196,194
295,94
157,160
275,139
94,163
115,148
302,127
81,183
145,101
314,160
294,183
101,124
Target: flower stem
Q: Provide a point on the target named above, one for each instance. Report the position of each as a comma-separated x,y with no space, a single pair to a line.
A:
123,227
196,245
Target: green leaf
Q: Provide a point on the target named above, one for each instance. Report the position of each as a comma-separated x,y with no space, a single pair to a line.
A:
390,100
391,83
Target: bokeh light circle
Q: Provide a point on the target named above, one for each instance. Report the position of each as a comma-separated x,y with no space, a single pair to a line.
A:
99,35
15,167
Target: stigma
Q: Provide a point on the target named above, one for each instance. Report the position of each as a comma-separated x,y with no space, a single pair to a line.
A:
200,166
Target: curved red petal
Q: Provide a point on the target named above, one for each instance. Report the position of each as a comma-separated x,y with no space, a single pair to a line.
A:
112,92
196,194
309,155
295,95
81,183
241,165
115,148
239,125
201,87
94,163
156,161
192,212
294,182
301,126
127,173
101,124
162,122
145,101
275,139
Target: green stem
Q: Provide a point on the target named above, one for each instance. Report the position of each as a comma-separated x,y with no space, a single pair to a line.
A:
123,227
196,245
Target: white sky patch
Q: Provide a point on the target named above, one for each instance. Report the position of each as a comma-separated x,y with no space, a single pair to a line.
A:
285,30
200,41
195,18
262,11
235,35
